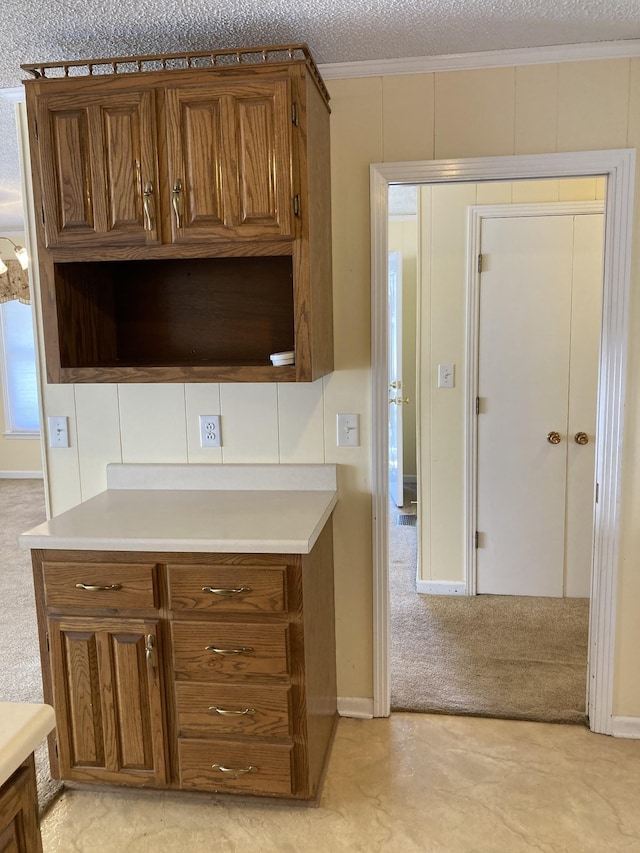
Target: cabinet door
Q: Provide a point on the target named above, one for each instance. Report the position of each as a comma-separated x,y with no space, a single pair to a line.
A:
229,160
98,165
107,695
19,824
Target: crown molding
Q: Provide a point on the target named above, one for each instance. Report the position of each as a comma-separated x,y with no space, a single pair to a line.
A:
15,95
626,49
485,59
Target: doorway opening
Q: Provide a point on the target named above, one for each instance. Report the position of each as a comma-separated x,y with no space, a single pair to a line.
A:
519,653
617,167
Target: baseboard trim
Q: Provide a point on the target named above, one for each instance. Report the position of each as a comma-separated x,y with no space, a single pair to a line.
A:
355,706
21,475
441,588
628,727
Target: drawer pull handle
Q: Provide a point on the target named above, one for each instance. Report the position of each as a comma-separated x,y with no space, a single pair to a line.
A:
213,709
235,771
244,650
241,590
92,588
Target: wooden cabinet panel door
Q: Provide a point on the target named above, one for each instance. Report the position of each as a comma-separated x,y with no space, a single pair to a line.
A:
98,161
19,824
229,160
108,700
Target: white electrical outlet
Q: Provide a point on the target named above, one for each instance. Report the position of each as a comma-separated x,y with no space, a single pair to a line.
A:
58,432
210,431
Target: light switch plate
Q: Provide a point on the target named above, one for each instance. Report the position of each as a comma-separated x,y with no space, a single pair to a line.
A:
58,432
446,375
348,434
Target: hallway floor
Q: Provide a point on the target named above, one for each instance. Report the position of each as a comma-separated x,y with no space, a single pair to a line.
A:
408,783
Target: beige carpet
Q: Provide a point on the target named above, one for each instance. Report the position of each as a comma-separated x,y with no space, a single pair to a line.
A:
21,507
514,657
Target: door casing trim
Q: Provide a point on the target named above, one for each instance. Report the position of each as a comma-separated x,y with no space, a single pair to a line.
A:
477,213
619,168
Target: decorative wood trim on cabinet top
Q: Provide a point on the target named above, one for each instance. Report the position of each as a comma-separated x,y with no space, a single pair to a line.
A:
223,58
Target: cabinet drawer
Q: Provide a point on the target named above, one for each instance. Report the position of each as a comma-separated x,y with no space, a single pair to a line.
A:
208,650
212,709
227,589
125,586
256,768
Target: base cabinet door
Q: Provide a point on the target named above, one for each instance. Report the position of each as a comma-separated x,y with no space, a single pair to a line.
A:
19,824
107,694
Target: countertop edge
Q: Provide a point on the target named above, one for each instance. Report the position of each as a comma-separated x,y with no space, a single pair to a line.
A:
246,545
37,721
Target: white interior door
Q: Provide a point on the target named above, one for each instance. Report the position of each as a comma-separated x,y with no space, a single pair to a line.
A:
396,472
538,351
586,314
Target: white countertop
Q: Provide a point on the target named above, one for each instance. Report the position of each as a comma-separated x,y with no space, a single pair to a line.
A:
154,509
22,727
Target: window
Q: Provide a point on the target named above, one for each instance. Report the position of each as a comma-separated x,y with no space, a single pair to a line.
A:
18,365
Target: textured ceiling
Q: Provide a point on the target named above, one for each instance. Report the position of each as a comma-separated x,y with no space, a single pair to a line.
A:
336,31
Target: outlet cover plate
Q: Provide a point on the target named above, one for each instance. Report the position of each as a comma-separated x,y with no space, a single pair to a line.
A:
210,431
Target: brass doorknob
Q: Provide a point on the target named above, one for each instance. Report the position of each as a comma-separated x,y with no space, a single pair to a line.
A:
554,437
581,438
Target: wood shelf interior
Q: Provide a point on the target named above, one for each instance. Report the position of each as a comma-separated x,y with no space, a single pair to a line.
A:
177,312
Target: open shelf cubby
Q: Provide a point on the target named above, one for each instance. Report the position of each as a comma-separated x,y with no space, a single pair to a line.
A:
214,312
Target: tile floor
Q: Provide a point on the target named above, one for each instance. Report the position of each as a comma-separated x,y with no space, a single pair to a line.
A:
409,783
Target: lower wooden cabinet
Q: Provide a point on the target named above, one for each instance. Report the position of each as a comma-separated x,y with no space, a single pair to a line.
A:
19,824
108,700
207,672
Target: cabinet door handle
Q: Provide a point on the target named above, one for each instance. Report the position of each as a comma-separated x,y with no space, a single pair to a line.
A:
147,204
224,712
243,650
235,771
89,587
148,648
175,200
241,590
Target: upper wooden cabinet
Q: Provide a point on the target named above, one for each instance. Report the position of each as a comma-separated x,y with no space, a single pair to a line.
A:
227,173
183,216
229,160
97,155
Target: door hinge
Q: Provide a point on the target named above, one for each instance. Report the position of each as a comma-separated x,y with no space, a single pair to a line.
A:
296,204
597,492
35,130
477,405
475,539
46,637
479,263
42,212
294,114
55,746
